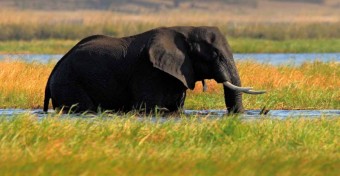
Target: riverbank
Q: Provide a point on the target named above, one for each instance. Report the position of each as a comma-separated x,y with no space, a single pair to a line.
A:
309,86
238,45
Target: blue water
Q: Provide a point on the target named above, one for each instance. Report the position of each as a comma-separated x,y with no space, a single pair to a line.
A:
43,58
294,59
212,114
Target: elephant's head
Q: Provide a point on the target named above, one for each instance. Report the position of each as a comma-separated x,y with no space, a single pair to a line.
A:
196,53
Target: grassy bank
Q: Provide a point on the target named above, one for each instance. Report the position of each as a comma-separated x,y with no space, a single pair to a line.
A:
239,45
126,146
50,46
73,30
310,86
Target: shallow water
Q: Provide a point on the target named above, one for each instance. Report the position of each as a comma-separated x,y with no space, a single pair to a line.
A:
294,59
214,114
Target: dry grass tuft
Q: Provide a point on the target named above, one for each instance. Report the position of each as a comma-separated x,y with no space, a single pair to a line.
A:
23,83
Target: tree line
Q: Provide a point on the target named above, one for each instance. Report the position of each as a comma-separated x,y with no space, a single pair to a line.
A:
103,4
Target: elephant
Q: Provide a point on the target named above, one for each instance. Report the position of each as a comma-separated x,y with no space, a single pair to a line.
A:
150,70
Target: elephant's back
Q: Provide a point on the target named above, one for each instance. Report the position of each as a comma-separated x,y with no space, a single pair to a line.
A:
62,74
103,46
62,68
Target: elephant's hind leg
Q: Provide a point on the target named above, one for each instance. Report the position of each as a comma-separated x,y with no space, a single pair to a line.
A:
71,98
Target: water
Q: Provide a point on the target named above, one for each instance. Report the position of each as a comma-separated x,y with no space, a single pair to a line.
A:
43,58
212,114
294,59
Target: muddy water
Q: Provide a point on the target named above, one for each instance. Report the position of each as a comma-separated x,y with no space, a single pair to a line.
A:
213,114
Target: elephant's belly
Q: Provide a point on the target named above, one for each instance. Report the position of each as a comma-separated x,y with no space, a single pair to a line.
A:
117,103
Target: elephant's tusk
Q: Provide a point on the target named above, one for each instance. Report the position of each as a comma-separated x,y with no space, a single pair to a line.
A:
255,92
247,90
237,88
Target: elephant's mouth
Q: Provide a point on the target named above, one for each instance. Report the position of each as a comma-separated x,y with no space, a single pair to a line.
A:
247,90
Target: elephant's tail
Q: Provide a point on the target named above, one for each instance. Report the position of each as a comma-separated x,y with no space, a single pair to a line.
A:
47,96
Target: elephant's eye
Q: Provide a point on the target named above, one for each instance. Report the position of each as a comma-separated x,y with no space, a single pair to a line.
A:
197,47
214,54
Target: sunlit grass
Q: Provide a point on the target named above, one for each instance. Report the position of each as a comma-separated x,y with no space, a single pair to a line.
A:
313,85
126,146
22,84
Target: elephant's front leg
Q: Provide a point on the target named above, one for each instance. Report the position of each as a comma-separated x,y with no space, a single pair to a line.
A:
159,101
175,101
146,102
156,89
147,94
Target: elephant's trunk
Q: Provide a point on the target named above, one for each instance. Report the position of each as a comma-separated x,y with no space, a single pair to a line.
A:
232,88
229,77
233,98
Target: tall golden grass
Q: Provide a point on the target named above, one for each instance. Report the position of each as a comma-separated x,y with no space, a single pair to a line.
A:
312,85
270,77
27,25
22,85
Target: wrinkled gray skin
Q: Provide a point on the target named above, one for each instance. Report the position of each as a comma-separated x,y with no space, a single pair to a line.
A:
151,69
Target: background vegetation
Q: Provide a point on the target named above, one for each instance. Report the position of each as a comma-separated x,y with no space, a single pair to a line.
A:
53,46
310,86
110,4
269,19
78,29
76,25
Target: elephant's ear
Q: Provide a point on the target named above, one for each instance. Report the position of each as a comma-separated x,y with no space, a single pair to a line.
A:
168,51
